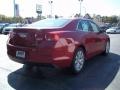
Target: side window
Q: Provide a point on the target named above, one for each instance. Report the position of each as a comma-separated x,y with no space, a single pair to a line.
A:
84,25
94,27
79,26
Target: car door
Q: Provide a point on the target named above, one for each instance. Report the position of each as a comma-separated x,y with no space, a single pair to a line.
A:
88,37
99,37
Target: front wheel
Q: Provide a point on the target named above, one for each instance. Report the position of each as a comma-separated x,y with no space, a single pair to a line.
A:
78,61
107,48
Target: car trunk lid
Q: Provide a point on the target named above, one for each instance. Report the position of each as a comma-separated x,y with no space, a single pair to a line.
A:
25,37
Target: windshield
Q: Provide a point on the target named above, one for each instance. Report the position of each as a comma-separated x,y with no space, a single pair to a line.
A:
113,27
2,24
50,23
14,25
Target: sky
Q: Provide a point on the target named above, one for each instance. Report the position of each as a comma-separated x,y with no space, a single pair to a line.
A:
64,8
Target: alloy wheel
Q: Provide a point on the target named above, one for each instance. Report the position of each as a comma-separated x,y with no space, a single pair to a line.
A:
79,59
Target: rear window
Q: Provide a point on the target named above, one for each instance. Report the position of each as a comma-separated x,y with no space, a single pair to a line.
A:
50,23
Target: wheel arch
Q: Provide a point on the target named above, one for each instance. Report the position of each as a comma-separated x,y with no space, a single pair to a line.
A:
72,67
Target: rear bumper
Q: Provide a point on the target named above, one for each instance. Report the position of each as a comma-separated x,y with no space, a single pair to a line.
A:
23,61
60,57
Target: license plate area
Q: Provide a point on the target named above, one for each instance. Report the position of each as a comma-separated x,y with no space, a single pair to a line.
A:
20,54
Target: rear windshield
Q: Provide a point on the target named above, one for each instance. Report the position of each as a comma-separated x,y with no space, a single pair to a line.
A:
50,23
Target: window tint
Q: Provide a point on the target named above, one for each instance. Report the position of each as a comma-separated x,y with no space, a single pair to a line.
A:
84,25
94,27
79,26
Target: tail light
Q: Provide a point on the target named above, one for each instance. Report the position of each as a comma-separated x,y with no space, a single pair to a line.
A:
46,37
52,37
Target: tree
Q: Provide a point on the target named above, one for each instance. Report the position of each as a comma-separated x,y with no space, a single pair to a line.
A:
4,18
110,19
87,16
114,19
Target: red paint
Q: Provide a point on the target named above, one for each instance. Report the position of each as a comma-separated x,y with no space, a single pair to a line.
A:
54,46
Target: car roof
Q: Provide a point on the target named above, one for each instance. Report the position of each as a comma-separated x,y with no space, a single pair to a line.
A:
79,19
73,18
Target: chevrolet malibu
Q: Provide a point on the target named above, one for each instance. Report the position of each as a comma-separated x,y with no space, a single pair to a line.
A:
63,43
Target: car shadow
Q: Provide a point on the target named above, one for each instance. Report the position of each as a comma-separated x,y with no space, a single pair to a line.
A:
97,74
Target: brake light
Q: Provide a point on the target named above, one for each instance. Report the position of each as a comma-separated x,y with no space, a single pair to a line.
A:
52,37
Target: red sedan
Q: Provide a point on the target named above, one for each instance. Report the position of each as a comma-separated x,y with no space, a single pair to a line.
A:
57,42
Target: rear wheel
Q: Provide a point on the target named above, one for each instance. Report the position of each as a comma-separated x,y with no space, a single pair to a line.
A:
78,61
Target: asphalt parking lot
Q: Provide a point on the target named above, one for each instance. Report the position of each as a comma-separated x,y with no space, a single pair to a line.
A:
101,72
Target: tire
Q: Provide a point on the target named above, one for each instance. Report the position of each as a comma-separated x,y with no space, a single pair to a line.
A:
107,48
78,61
